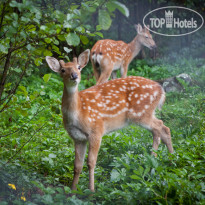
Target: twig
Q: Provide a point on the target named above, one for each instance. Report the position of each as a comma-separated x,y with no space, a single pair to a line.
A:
24,123
14,90
25,144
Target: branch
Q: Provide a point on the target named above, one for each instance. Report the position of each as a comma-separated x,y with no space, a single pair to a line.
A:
24,123
25,144
3,12
6,67
14,90
13,49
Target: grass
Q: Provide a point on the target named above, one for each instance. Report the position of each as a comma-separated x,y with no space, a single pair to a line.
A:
38,157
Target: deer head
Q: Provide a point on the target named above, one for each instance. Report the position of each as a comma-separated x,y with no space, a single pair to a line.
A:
144,37
71,71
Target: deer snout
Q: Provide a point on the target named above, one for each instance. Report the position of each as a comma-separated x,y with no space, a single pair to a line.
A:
153,46
74,76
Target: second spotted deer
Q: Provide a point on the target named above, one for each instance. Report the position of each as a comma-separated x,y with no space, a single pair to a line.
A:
96,111
107,56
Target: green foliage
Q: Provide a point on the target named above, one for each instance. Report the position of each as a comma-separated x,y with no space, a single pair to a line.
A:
126,173
36,155
28,34
104,19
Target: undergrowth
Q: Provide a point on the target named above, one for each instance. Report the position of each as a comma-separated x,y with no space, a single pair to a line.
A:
37,155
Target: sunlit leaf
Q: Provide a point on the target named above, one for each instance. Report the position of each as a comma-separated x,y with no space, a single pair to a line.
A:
115,175
47,77
47,53
67,50
84,39
72,39
38,61
104,19
117,5
48,40
99,34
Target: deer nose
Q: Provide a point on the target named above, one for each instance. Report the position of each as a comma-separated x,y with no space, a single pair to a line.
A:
74,76
154,46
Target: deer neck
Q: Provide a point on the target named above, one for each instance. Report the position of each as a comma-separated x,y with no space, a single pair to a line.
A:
135,46
70,101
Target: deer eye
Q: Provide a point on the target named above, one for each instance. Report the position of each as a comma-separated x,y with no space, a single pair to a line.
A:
79,67
63,70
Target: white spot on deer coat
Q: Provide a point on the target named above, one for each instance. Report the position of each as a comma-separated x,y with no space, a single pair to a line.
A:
146,106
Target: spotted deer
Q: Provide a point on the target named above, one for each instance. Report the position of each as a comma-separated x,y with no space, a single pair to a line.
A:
98,110
107,56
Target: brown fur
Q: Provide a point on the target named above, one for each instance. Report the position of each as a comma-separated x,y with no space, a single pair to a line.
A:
108,55
91,113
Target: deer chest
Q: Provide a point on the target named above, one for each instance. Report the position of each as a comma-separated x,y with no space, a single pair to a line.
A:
74,128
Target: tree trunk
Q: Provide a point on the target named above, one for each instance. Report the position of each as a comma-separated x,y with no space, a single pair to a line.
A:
4,75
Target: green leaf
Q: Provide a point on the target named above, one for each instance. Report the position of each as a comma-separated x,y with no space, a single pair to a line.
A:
104,19
13,4
23,89
115,175
3,48
84,39
47,77
24,19
56,49
31,28
23,34
67,50
72,39
47,199
52,156
99,34
56,42
70,16
24,112
60,16
48,40
43,28
47,53
29,47
117,5
67,189
135,177
141,170
42,93
38,61
98,28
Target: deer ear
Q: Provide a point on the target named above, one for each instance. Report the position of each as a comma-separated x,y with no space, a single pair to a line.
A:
75,60
138,28
84,58
146,27
53,64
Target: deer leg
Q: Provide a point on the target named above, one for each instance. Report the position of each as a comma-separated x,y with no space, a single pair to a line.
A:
123,71
80,149
156,140
94,147
114,74
96,71
105,74
166,138
160,131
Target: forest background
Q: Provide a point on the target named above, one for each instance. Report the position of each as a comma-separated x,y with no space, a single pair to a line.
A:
36,154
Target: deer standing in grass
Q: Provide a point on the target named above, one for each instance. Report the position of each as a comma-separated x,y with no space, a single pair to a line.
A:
96,111
107,56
